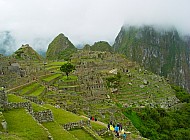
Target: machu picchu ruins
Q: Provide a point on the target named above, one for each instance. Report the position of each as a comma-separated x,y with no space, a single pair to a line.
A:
102,85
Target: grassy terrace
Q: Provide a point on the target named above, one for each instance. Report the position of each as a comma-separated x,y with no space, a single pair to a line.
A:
133,92
58,132
52,67
5,136
56,63
69,86
96,126
50,78
62,117
23,126
70,78
28,88
14,98
38,91
81,134
37,107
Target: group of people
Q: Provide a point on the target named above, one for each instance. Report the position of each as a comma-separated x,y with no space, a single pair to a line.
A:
93,118
119,131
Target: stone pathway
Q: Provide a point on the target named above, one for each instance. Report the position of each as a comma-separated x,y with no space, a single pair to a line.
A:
98,122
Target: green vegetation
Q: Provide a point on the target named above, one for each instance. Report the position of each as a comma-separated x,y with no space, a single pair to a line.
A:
14,98
58,63
67,68
52,67
132,87
182,94
58,132
99,46
71,78
157,123
62,117
156,49
52,77
113,81
37,108
96,126
81,134
27,53
60,48
22,125
9,137
38,91
28,88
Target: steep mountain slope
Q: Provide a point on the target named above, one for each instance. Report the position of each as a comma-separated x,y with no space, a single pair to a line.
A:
161,51
25,52
60,48
99,46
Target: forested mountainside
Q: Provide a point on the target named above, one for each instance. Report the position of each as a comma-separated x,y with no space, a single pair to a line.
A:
162,51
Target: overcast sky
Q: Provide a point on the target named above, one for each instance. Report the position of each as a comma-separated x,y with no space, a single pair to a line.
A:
37,22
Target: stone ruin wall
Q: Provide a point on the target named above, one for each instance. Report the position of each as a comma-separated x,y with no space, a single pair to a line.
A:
3,98
41,116
34,99
79,124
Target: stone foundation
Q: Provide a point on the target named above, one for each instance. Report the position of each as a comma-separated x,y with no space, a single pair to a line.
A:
79,124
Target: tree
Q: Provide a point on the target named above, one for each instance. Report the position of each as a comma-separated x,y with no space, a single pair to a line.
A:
67,68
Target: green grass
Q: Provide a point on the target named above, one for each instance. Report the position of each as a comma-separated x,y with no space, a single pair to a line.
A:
96,126
62,116
23,125
37,107
58,132
93,134
81,134
50,78
38,91
5,136
56,63
52,67
28,88
70,78
14,98
134,118
69,86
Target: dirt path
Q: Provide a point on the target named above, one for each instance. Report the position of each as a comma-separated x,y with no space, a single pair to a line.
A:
98,122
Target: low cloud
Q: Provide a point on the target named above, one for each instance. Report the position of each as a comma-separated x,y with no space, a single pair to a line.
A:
37,22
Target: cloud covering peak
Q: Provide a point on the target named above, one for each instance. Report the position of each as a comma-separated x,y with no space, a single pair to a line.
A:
86,21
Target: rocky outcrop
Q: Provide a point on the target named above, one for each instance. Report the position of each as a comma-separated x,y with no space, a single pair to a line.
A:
60,48
161,51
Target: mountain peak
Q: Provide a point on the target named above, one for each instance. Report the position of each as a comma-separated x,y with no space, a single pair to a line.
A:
60,48
159,49
26,52
99,46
